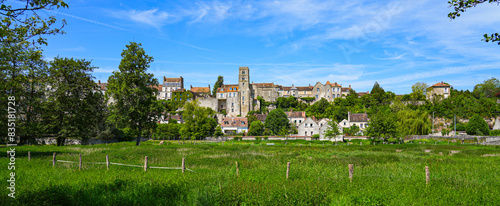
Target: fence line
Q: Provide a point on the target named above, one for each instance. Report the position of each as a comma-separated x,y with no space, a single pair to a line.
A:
121,164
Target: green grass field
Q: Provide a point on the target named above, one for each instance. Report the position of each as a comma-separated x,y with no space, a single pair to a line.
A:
383,174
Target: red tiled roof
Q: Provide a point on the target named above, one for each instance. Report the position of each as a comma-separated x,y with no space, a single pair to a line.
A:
200,89
359,117
158,87
440,84
234,122
363,93
227,88
333,85
179,90
346,89
102,85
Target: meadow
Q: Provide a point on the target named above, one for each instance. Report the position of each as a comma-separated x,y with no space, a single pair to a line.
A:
460,174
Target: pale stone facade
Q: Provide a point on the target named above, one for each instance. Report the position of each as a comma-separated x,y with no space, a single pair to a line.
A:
308,127
170,85
440,89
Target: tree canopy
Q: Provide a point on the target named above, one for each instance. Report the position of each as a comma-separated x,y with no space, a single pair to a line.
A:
219,83
460,6
276,121
132,91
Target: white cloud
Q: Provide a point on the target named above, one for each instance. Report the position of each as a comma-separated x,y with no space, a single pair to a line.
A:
151,17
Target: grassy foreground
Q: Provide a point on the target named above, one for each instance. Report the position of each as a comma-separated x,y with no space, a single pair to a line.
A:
383,174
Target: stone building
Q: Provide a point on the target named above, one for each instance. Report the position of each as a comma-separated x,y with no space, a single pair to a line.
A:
170,85
359,119
439,89
228,99
308,127
296,118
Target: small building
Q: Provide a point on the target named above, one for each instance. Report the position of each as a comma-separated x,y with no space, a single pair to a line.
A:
234,125
181,95
359,119
308,127
440,89
261,117
296,117
201,92
166,117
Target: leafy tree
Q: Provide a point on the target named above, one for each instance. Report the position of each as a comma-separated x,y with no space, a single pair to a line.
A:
251,118
353,130
315,137
352,93
489,88
276,120
132,90
383,125
219,83
256,128
22,68
218,132
199,121
320,109
333,130
477,126
418,91
461,6
413,122
263,105
72,102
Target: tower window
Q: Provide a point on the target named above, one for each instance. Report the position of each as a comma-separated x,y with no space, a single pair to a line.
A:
243,72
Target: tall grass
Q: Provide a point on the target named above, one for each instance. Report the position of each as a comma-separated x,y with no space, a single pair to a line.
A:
383,174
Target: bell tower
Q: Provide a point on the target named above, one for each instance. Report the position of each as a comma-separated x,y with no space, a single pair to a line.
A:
244,90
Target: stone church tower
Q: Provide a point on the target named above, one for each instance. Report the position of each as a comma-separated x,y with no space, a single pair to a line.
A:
245,91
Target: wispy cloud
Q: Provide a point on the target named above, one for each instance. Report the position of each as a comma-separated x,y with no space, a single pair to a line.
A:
87,20
151,17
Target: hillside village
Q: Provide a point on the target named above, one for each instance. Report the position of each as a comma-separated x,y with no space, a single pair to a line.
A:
234,102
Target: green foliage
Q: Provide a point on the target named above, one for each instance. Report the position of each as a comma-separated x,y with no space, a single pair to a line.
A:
72,108
333,130
320,109
461,6
199,121
287,103
256,128
351,131
477,126
495,133
219,83
412,122
418,91
383,125
132,90
308,99
218,131
315,137
251,118
276,121
263,105
489,88
170,130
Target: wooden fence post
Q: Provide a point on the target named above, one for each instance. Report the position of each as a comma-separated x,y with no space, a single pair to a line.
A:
360,143
107,162
183,165
54,159
145,163
80,163
237,171
427,175
351,171
287,169
29,156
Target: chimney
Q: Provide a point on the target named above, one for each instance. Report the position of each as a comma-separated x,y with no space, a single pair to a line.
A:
182,83
164,78
208,87
99,81
441,82
191,86
309,85
349,86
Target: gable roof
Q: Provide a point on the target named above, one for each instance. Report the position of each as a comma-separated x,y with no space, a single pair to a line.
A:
308,120
333,85
200,89
358,117
307,88
234,122
228,88
440,84
346,89
167,79
298,114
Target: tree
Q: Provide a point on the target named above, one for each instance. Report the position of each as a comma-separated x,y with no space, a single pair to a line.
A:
276,120
22,68
477,126
333,130
418,91
383,125
461,6
199,121
132,91
219,83
263,105
353,130
218,132
489,88
72,102
256,128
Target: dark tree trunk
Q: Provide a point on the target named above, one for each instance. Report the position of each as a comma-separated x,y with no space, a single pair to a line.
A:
138,142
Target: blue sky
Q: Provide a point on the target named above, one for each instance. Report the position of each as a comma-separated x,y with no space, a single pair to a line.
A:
300,42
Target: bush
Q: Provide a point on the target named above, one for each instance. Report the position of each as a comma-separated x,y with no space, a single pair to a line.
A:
477,126
495,133
315,137
258,138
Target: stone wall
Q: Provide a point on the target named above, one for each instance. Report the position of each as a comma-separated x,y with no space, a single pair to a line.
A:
51,140
209,102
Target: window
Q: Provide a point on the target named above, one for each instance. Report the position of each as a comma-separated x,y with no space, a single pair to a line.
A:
300,121
232,104
243,84
328,90
305,134
175,99
317,89
316,96
338,95
338,89
243,72
445,89
243,103
344,123
221,95
243,78
311,125
243,98
295,121
232,110
180,99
